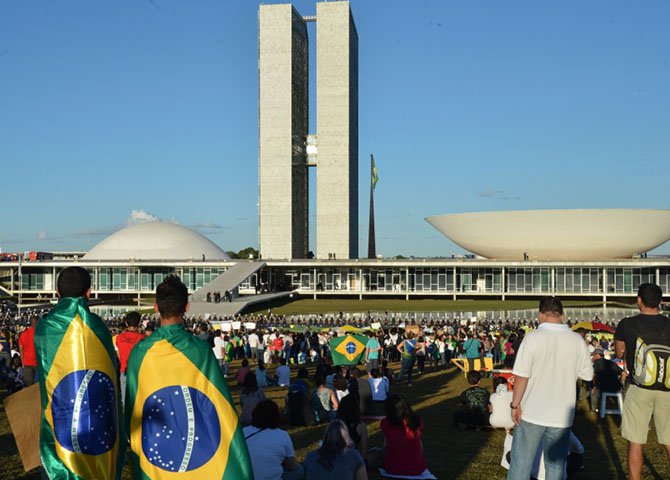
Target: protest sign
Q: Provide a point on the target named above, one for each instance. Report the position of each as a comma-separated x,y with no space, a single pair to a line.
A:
23,412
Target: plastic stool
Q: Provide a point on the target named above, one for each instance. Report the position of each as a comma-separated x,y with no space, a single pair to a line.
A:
603,403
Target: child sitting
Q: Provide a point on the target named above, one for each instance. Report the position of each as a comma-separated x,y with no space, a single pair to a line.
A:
475,401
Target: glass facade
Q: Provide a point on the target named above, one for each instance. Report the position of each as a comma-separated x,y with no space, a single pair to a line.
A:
413,278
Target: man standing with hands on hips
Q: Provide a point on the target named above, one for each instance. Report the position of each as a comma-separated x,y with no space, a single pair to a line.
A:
548,364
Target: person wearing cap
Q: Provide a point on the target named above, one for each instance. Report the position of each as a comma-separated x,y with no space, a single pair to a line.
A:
606,378
548,363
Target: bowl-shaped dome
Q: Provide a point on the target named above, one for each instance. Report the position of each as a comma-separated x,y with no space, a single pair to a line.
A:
581,235
156,241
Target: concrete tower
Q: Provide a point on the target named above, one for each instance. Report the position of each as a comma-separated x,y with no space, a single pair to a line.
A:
283,105
337,131
283,128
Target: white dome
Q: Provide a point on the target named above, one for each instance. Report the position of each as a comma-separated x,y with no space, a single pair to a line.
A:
557,234
156,241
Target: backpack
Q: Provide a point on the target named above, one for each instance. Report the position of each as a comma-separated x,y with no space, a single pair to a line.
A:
652,354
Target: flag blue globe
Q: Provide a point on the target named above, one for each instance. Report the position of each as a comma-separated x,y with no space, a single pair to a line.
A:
351,348
180,429
83,407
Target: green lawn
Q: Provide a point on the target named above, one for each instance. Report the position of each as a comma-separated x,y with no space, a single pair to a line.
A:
307,306
451,453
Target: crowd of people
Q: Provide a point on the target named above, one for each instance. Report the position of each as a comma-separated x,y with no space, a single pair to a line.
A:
549,367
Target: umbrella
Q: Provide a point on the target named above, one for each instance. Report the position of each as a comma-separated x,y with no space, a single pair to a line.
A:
593,326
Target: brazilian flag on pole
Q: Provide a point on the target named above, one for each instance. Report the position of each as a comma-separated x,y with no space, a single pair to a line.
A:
347,350
179,411
81,433
375,175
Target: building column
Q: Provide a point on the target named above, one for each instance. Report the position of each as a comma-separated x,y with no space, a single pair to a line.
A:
604,285
138,282
455,284
406,283
503,283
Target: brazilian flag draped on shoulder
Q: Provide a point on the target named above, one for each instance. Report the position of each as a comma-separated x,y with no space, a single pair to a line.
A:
347,350
81,432
179,412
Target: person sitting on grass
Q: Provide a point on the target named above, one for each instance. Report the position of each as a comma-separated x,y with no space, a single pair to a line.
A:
379,386
499,405
283,374
270,448
340,387
335,459
350,413
297,401
242,372
475,401
324,401
262,375
250,396
402,429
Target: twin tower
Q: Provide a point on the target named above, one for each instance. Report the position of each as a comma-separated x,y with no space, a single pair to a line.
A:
287,150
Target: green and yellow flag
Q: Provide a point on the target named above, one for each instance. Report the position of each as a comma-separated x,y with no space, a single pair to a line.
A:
81,432
347,350
179,412
375,175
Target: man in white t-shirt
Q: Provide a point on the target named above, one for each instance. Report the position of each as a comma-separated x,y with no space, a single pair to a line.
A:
548,364
254,341
219,350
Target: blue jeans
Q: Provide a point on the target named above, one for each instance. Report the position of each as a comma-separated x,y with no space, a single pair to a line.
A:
528,437
406,367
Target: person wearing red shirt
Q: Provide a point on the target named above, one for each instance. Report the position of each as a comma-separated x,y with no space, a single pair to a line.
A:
402,430
27,350
125,341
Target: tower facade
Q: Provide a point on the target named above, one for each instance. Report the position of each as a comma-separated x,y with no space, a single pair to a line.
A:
337,131
283,106
283,129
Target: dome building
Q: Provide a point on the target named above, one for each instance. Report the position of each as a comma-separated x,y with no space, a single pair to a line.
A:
557,235
156,241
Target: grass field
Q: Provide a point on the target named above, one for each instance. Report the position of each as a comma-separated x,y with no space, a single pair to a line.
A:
306,306
451,453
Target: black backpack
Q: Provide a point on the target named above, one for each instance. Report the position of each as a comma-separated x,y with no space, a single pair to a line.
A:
652,354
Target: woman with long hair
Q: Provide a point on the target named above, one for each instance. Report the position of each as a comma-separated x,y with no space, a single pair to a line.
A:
350,413
250,396
324,400
402,429
270,448
335,459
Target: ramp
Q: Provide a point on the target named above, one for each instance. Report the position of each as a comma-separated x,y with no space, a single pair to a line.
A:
230,309
229,280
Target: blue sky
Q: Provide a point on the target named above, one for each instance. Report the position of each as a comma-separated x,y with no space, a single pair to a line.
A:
112,112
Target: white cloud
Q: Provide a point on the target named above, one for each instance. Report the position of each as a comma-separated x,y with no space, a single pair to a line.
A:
43,235
141,216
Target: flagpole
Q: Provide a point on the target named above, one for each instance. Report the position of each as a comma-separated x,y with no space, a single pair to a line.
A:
372,250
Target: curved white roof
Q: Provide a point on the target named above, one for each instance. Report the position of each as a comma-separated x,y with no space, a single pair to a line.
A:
156,241
557,234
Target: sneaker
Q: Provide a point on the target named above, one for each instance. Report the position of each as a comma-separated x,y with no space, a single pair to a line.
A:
409,384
